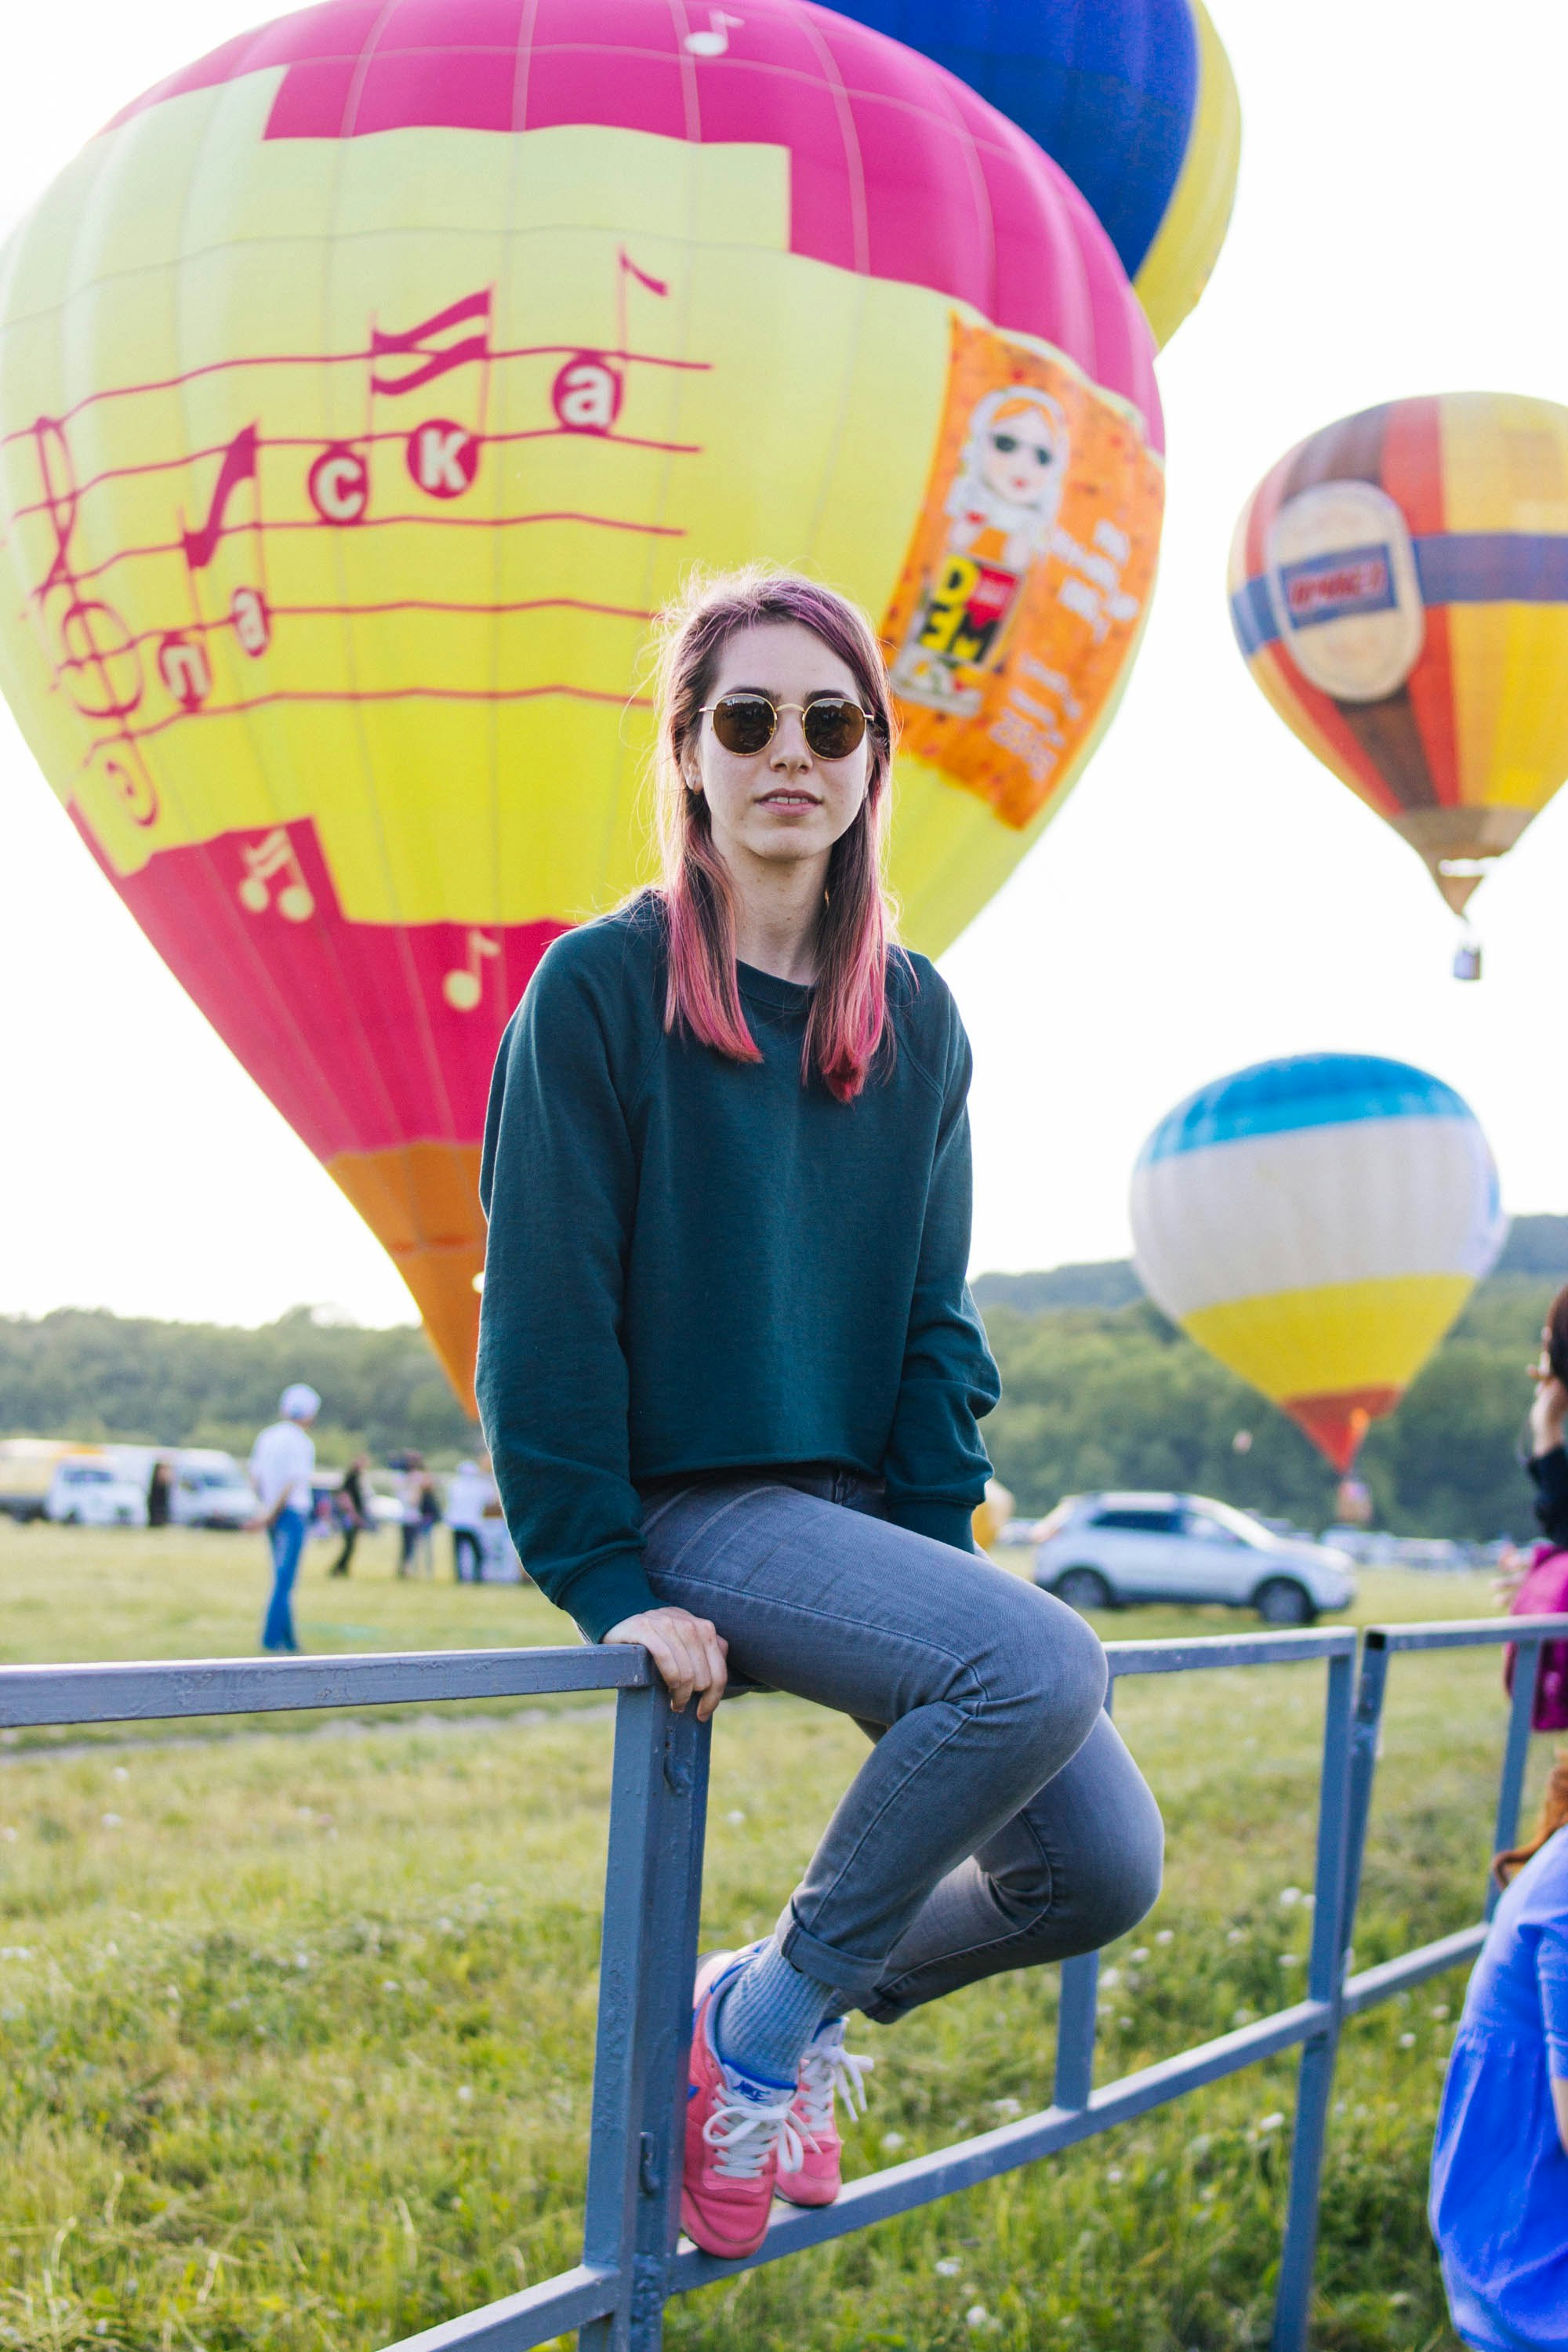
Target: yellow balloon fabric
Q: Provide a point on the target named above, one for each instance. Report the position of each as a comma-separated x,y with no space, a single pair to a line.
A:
1399,588
365,389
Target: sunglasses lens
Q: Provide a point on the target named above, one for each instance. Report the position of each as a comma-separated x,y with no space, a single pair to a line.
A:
834,727
744,722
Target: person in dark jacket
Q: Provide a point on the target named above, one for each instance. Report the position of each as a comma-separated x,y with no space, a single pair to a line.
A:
1546,1459
353,1512
731,1377
160,1495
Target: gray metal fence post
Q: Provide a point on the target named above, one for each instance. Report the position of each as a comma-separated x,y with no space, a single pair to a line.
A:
1515,1757
1325,1981
1076,2006
1372,1684
653,1882
677,1900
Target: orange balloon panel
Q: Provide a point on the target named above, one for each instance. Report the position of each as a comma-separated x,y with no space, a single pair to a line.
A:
364,390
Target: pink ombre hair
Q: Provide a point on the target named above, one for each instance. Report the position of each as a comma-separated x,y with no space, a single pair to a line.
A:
848,1018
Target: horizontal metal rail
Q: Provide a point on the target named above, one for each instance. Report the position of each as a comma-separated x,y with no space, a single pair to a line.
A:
172,1690
632,2264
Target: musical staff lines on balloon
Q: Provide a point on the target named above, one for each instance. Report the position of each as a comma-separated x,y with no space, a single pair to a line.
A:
309,360
262,518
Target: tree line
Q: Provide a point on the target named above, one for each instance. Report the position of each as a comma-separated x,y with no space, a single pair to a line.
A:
1099,1390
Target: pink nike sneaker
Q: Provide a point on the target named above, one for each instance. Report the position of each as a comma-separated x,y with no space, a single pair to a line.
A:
826,2067
736,2132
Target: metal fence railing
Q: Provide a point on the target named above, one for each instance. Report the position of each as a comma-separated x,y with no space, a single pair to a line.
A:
631,2262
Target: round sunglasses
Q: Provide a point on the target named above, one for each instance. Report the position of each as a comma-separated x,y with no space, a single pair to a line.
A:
746,723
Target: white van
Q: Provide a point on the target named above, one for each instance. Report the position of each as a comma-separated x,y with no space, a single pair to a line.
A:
211,1490
89,1490
208,1489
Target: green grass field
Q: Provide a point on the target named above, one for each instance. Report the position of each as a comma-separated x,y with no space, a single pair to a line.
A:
298,2019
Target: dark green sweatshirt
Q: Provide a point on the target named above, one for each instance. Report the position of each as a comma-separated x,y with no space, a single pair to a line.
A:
696,1263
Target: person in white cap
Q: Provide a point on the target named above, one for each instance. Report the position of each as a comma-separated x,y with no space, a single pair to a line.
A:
282,1462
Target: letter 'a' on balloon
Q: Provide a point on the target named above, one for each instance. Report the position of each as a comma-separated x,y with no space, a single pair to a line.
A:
1317,1223
366,387
1134,99
1399,588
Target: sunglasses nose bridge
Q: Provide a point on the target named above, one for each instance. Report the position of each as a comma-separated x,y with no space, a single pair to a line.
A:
790,747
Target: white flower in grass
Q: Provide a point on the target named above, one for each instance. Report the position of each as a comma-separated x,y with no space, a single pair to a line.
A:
735,1819
1110,1979
1270,2123
1236,1935
1114,2175
110,1821
1290,1959
949,2266
1407,2041
464,2092
1166,1936
978,2318
1139,1956
119,1773
1441,2011
892,2142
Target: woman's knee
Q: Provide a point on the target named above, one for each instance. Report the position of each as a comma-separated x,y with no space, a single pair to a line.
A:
1046,1669
1118,1878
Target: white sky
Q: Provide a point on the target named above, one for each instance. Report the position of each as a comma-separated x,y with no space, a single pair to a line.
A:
1210,897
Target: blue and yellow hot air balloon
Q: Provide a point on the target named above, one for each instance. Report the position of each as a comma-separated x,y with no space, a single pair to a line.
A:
1134,99
1317,1223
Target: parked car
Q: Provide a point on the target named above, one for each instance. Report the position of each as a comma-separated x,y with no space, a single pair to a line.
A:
211,1490
88,1490
1099,1551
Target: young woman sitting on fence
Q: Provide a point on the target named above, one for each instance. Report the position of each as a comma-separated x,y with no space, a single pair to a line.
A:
1500,2168
731,1375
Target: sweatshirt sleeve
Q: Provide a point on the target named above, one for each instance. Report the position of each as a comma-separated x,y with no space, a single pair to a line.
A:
936,1467
557,1180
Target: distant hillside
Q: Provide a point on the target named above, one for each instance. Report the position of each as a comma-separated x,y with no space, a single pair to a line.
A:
1103,1282
1536,1246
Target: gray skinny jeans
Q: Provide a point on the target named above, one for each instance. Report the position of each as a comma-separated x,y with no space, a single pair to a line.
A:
999,1820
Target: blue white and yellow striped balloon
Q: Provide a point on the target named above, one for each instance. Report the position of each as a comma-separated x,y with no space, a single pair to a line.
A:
1317,1223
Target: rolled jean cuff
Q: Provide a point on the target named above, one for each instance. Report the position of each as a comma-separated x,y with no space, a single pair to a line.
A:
842,1971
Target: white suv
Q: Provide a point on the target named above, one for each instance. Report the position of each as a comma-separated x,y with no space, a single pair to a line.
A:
1099,1551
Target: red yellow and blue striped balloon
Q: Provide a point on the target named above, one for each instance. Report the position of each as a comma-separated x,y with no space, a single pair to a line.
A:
1399,587
1317,1223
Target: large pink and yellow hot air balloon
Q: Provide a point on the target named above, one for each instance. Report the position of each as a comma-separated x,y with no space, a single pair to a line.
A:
364,389
1399,587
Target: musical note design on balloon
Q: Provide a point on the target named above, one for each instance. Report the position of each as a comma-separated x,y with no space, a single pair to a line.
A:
587,393
183,661
98,662
464,987
210,580
265,860
442,453
715,41
238,465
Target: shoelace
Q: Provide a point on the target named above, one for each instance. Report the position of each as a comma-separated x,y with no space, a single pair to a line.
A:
824,2070
743,2135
